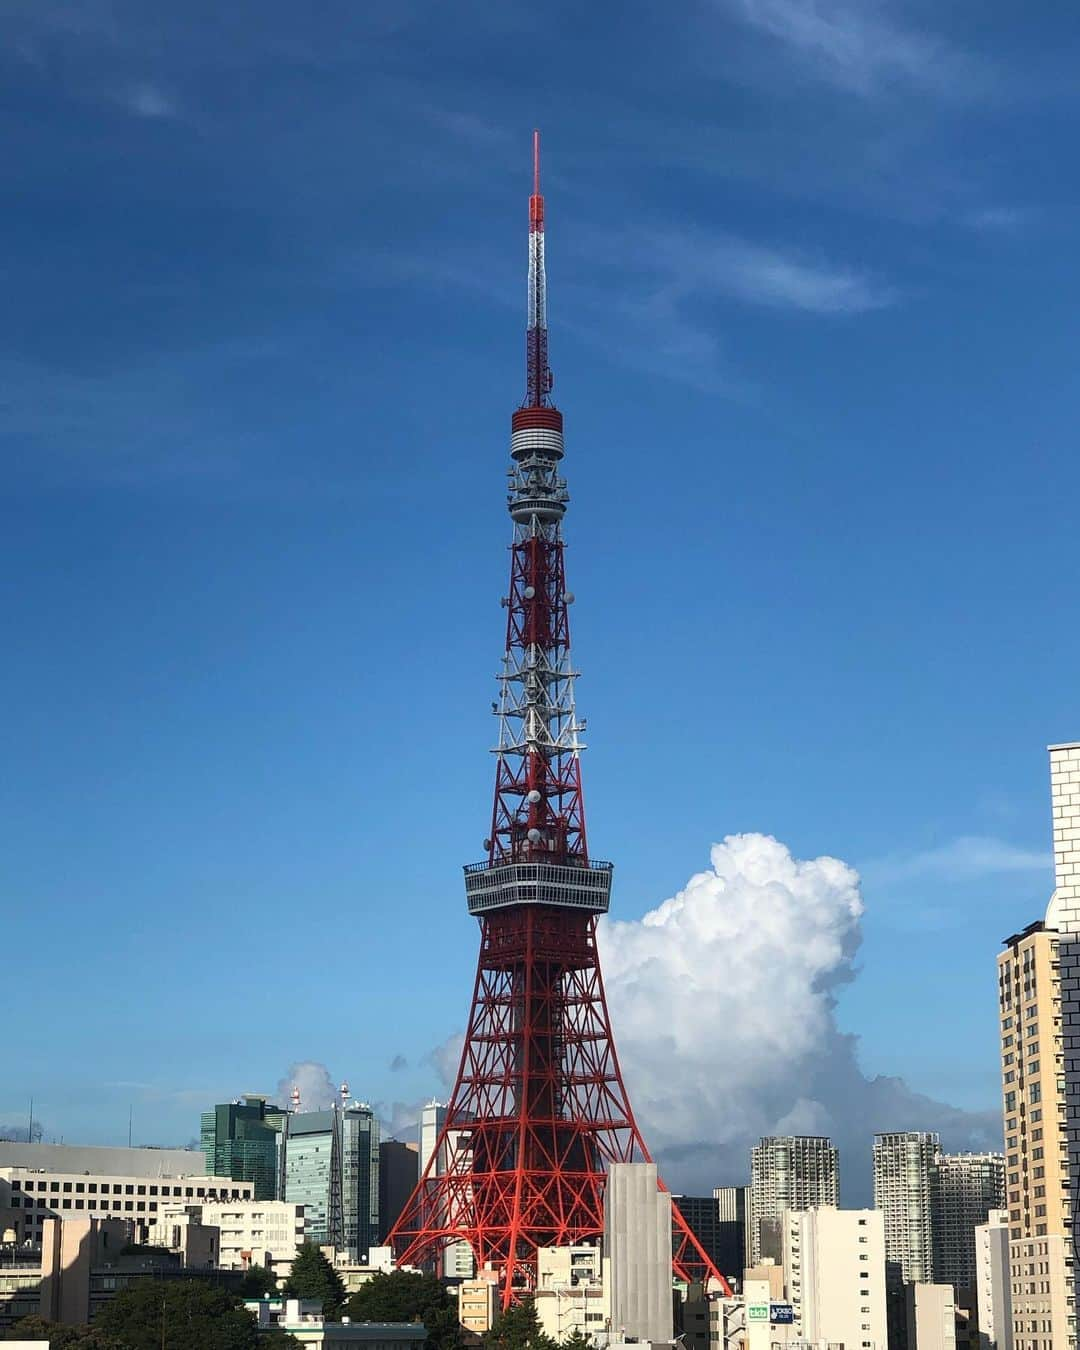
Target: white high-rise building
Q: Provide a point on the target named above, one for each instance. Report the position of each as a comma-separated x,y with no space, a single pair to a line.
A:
788,1172
992,1282
458,1260
834,1273
903,1166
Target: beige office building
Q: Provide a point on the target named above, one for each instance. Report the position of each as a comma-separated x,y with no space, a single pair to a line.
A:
1033,1092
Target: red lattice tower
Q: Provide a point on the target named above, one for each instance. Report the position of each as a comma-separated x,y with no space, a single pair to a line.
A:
539,1108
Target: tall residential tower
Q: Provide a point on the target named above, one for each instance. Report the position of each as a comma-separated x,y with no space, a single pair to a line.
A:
795,1171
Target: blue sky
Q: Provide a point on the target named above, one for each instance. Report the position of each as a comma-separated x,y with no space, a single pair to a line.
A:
813,287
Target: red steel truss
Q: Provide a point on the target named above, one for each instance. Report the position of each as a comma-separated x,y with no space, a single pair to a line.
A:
539,1108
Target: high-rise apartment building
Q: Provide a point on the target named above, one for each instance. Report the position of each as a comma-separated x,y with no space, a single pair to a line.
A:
834,1273
733,1206
242,1140
788,1172
964,1189
332,1169
903,1167
1035,997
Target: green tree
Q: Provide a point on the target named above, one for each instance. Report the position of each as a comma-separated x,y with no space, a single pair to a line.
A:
518,1328
312,1276
61,1337
407,1296
577,1340
178,1315
258,1282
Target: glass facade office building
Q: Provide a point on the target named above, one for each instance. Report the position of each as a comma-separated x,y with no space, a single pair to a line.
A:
332,1169
242,1140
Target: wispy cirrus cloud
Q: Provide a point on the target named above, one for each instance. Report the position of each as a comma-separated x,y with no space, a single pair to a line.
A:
861,46
149,101
692,264
964,858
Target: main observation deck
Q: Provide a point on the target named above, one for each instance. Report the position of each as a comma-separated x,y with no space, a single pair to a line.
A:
580,886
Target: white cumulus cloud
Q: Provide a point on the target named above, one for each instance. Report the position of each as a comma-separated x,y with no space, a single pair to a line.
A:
722,1000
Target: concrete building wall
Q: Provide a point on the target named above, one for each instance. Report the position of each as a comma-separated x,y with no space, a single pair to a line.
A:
38,1194
931,1317
834,1273
69,1250
637,1243
994,1296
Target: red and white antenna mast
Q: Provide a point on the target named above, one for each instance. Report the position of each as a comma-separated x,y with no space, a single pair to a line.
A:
539,1109
538,374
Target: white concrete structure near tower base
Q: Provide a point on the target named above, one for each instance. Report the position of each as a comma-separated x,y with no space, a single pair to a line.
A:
834,1274
992,1282
637,1244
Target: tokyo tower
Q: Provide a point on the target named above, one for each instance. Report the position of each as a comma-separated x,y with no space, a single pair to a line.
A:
539,1108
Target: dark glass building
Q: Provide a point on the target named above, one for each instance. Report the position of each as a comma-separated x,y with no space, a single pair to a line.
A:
242,1140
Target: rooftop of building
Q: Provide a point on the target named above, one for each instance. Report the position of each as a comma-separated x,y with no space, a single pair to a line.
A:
98,1161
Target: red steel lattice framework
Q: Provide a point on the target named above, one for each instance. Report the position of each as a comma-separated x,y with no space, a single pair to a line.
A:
539,1108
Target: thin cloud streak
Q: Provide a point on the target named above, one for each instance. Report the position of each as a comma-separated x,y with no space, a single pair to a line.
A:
964,858
857,46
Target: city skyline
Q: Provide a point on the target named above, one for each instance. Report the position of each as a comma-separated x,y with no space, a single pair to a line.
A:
223,748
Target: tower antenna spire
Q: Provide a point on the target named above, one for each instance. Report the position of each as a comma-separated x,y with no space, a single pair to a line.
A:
538,377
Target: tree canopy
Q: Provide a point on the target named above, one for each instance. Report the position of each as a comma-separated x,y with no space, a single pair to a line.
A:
61,1337
312,1276
518,1328
407,1296
177,1315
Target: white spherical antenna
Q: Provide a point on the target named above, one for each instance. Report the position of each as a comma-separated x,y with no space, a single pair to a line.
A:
529,592
534,796
535,836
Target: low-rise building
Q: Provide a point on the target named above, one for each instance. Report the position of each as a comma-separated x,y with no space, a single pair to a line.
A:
250,1232
303,1319
931,1316
43,1181
477,1303
82,1264
571,1293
